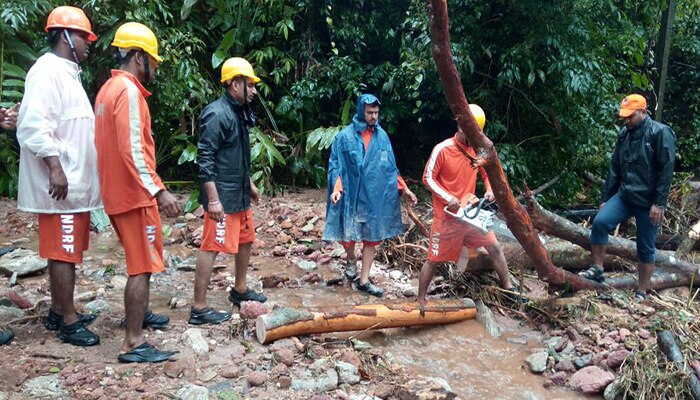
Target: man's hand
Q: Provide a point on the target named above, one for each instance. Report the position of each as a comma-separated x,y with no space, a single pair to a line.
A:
453,205
410,197
216,211
469,199
254,192
489,196
58,183
656,214
335,196
168,203
8,117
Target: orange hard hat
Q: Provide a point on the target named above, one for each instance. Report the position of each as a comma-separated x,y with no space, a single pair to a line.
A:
68,17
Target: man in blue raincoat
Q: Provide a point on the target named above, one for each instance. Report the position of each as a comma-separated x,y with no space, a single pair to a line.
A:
363,191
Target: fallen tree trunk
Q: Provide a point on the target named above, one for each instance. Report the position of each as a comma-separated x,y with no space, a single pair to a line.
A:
287,322
563,254
567,230
662,279
516,217
667,343
690,240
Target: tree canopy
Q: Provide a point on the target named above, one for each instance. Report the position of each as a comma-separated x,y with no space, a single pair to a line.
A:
550,76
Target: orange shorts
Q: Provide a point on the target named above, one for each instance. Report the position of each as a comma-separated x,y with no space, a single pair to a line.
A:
448,235
141,235
224,237
64,237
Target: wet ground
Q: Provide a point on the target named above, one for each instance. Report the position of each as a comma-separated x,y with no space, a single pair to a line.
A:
475,365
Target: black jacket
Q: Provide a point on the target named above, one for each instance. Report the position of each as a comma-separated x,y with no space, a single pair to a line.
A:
642,165
223,153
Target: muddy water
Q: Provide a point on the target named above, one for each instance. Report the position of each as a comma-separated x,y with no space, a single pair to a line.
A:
475,365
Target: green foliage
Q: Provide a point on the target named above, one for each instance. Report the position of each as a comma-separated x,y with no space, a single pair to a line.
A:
548,74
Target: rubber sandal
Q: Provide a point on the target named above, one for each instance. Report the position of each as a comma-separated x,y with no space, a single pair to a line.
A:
594,273
145,353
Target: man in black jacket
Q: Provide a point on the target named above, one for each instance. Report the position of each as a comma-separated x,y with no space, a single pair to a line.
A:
226,188
638,183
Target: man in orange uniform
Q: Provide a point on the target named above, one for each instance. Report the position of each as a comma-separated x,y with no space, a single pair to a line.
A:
57,178
132,191
451,179
226,188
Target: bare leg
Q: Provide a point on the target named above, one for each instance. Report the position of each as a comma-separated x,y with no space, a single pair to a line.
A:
62,281
499,264
202,277
136,296
645,270
368,253
427,272
242,260
598,254
350,251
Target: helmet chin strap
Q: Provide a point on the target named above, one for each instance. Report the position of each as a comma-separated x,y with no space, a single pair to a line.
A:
72,47
146,67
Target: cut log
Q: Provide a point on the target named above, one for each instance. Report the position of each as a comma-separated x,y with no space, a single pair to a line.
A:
567,230
690,241
667,343
286,322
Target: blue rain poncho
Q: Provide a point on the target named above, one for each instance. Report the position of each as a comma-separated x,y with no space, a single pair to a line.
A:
369,208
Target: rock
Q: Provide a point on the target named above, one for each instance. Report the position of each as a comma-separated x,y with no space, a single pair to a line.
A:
347,373
613,390
174,368
286,224
285,382
616,358
485,316
560,344
591,380
45,387
193,337
351,357
230,372
643,334
22,262
257,378
519,341
73,379
537,362
307,380
624,332
10,313
307,228
565,365
286,357
252,309
559,378
583,361
306,265
395,274
118,282
321,397
528,395
283,344
192,392
18,300
279,251
425,389
97,306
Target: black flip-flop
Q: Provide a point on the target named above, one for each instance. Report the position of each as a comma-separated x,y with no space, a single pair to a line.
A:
145,353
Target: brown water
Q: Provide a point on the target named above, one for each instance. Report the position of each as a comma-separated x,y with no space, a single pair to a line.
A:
475,365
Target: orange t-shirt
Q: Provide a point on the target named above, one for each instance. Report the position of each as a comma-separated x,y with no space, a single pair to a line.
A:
126,156
449,174
366,137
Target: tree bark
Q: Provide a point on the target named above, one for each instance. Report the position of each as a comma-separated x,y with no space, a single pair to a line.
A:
567,230
516,217
667,343
287,322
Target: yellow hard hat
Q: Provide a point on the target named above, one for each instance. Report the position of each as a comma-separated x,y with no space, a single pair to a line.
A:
478,114
237,66
134,35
